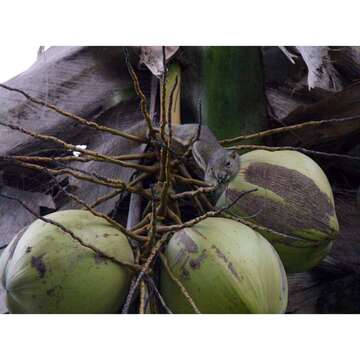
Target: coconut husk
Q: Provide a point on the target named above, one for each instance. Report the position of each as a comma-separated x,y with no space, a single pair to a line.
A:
333,286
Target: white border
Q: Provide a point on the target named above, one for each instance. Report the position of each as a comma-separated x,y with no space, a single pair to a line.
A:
155,22
179,23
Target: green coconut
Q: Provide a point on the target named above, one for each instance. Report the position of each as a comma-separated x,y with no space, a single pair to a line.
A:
44,270
293,197
226,267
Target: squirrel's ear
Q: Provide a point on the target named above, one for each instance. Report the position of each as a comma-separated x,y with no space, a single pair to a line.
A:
233,154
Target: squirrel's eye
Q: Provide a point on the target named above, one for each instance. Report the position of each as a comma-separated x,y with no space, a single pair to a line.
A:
228,163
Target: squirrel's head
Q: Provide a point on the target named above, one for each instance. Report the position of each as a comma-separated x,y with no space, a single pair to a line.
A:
222,169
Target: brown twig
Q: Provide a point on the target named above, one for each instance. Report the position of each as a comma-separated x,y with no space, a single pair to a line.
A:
200,190
190,181
164,151
165,154
69,232
140,94
286,238
143,271
70,169
179,284
163,97
293,148
77,118
167,228
142,223
261,134
96,213
106,197
142,230
142,297
172,215
176,208
105,181
153,218
158,294
197,203
140,156
72,147
114,193
50,159
204,200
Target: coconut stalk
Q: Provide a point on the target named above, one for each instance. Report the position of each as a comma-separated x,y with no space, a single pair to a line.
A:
229,83
173,83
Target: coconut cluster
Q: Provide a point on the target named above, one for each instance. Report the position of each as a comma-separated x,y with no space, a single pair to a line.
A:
218,265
